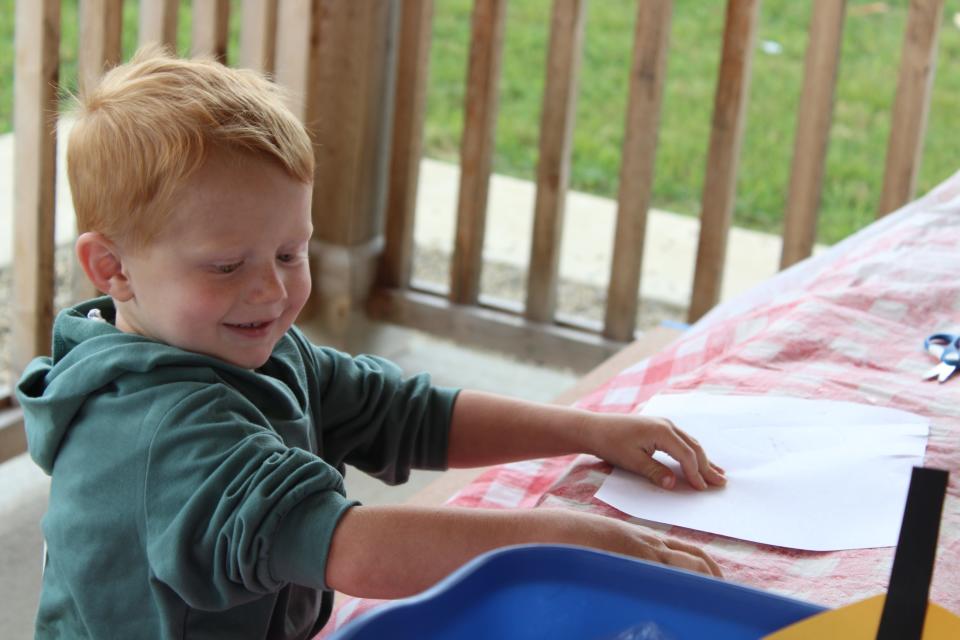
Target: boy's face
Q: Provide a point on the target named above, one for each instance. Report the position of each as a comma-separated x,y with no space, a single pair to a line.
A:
228,275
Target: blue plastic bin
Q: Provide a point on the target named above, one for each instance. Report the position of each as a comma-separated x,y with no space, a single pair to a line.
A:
548,592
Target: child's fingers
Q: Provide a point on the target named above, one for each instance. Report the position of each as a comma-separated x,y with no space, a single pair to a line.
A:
709,471
701,560
657,473
686,454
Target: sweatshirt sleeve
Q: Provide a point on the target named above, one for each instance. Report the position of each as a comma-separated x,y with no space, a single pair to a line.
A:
230,512
377,420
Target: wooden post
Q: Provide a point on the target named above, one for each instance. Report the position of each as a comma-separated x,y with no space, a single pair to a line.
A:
35,142
349,102
553,165
918,60
723,158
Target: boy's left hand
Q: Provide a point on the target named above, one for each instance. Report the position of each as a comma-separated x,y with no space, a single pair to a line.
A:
629,441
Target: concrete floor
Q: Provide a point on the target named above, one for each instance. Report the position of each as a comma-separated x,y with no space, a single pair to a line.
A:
24,488
23,500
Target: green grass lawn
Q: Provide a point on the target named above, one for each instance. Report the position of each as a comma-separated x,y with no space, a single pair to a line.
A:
870,58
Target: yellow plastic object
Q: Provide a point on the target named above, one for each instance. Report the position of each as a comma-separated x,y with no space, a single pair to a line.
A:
860,621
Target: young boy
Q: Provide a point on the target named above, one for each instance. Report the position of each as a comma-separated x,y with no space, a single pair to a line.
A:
196,439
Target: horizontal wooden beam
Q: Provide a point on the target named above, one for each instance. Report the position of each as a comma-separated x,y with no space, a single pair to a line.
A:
490,328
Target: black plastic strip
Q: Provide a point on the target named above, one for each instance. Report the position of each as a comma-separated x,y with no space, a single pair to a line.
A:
906,604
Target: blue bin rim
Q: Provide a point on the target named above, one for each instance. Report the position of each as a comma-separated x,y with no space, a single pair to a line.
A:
510,554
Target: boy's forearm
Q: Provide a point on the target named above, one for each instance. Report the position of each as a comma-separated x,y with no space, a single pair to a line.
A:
490,429
397,551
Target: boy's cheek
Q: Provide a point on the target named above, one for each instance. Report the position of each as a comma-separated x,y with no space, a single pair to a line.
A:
298,290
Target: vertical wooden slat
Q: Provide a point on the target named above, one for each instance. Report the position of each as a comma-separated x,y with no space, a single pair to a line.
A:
35,142
209,28
909,121
813,130
733,85
258,35
101,23
553,166
413,60
296,56
158,22
647,75
476,150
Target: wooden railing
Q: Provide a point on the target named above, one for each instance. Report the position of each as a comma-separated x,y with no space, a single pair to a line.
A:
288,38
535,329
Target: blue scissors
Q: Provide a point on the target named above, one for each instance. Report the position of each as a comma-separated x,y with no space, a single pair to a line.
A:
946,347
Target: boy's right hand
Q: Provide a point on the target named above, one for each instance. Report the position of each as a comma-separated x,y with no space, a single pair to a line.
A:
640,542
396,551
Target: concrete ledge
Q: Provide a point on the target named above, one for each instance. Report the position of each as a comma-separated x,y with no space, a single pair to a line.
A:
670,247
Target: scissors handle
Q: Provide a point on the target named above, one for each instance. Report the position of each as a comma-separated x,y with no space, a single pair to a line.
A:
948,343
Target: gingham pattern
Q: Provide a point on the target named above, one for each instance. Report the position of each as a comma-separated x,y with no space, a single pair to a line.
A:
850,329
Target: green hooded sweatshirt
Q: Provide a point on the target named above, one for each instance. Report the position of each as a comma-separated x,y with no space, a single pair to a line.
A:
191,498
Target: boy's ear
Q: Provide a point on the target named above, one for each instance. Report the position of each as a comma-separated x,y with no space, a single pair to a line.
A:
101,261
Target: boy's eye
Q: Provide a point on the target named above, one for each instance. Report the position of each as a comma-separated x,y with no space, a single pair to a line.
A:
227,268
288,257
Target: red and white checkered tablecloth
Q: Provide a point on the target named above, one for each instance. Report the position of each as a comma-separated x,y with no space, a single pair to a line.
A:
848,325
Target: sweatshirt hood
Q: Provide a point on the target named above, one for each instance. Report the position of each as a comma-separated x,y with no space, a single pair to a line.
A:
89,353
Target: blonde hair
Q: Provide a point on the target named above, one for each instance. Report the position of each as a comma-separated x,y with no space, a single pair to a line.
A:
151,122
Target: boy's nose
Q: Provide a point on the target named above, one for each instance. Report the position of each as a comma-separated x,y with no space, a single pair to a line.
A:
267,287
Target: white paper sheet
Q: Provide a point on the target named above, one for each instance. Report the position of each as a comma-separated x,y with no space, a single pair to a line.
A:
807,474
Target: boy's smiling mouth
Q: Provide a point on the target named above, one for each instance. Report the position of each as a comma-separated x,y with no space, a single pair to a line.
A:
251,329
